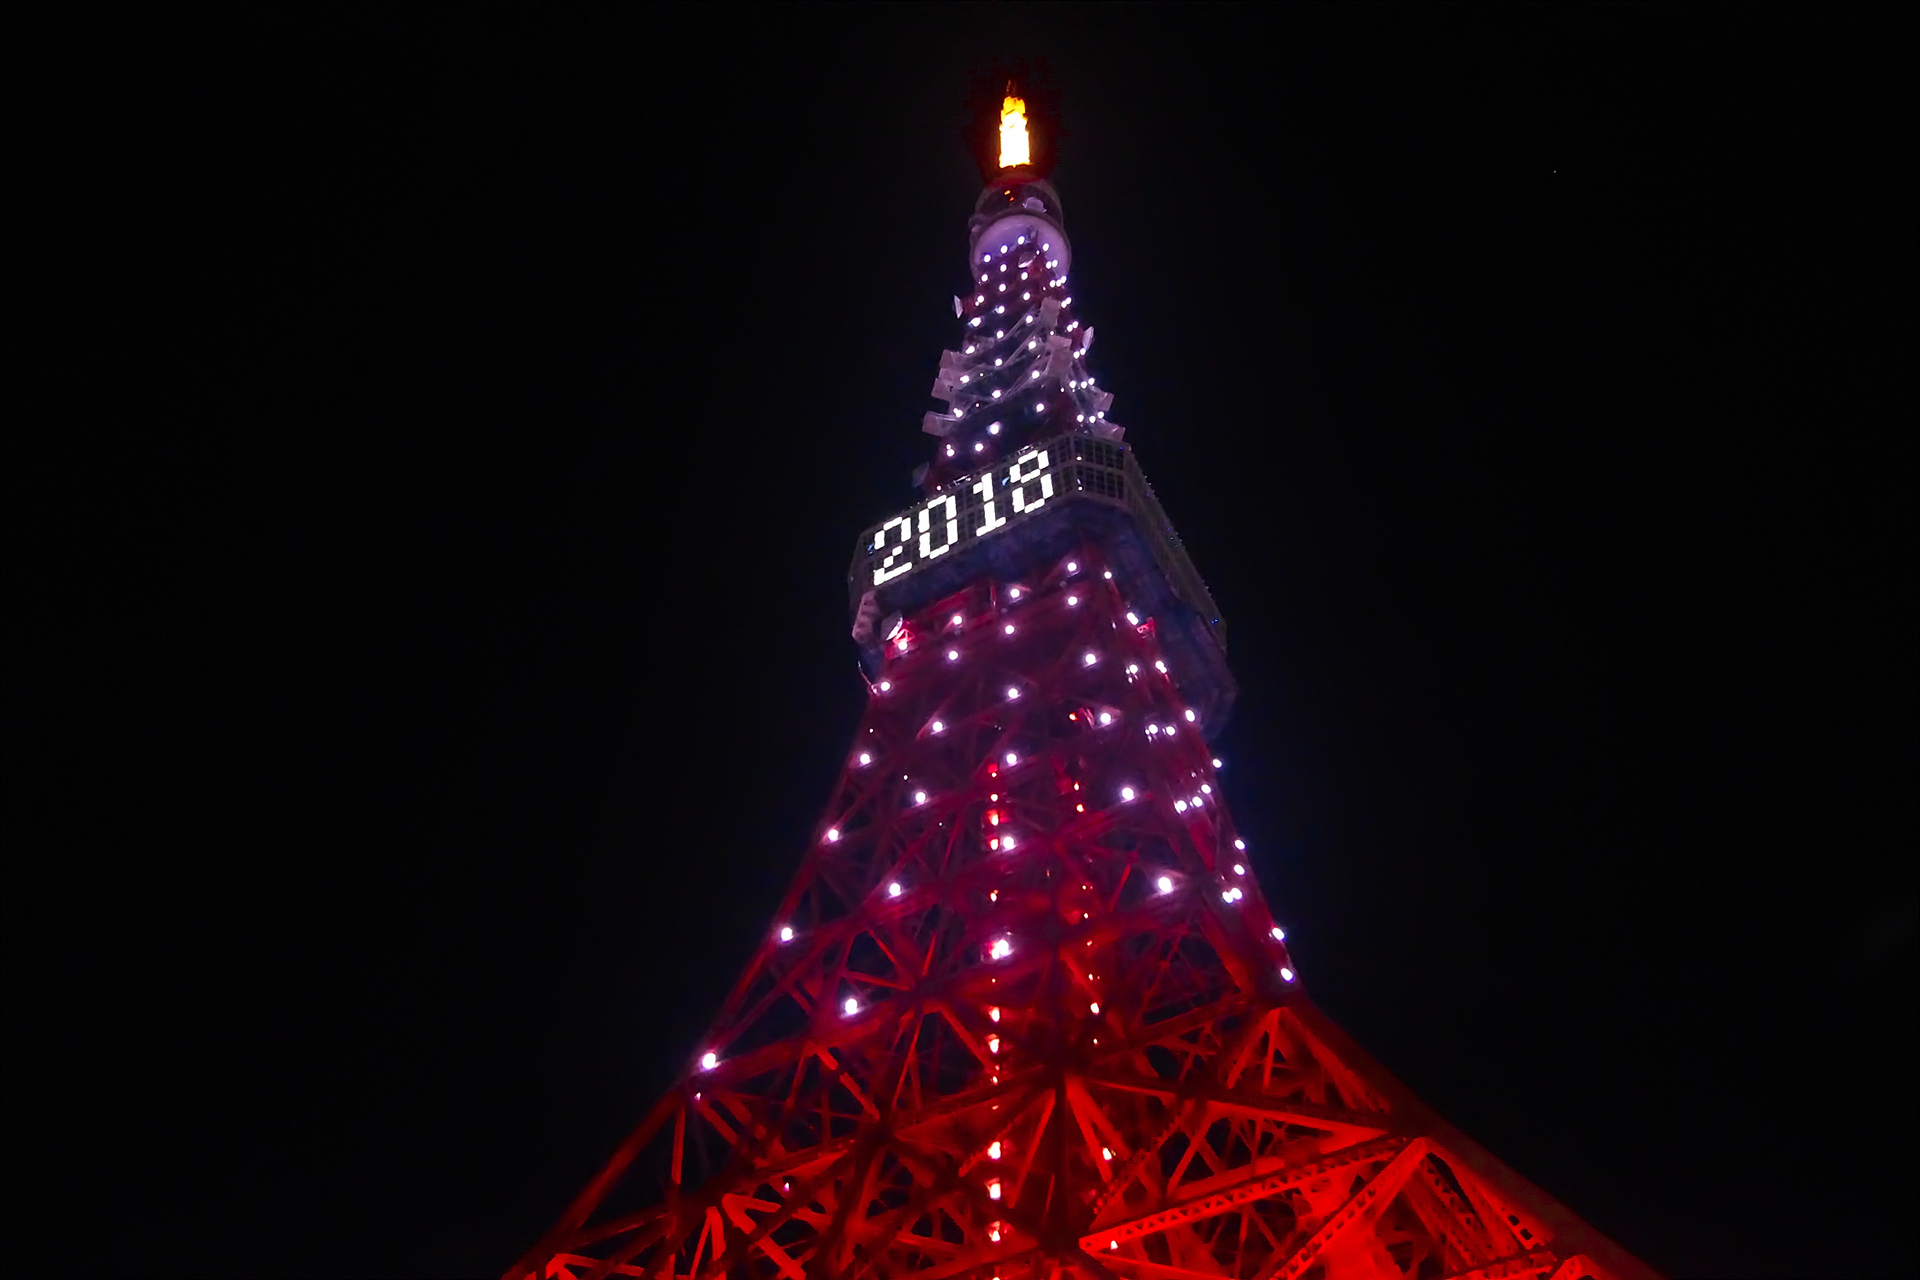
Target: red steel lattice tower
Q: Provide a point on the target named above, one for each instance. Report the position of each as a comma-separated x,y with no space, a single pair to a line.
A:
1024,1012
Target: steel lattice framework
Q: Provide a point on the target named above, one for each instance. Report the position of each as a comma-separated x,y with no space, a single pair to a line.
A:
1024,1011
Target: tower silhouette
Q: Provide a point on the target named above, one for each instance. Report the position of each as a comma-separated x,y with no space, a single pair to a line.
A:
1024,1011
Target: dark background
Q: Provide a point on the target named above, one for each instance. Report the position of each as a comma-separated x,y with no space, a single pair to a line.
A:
434,442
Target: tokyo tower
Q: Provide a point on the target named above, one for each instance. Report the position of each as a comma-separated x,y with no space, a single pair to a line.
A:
1024,1013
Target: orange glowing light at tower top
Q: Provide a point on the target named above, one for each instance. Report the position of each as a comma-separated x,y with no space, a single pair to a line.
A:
1013,132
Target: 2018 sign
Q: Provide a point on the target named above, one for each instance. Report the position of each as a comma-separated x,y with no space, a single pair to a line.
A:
970,511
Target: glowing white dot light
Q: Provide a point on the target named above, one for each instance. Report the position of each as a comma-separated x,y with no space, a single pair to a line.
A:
1000,949
1216,762
1287,974
1190,716
1073,599
1133,617
866,758
709,1060
1012,758
786,933
1239,869
1091,657
1164,884
1279,934
885,685
953,655
1106,717
852,1006
1013,691
1126,793
1240,845
919,797
1094,1007
1073,566
833,833
1009,628
893,890
1179,806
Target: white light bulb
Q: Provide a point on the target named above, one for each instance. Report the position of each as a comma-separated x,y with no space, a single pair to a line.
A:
852,1006
1240,845
833,834
1014,593
1126,793
1133,617
1279,934
1013,691
1009,628
1205,789
1286,974
1239,868
893,890
709,1060
1106,717
1091,658
919,797
1108,574
1073,566
786,933
953,655
885,685
1164,884
1073,600
939,727
1190,716
1094,1007
866,757
1012,758
993,1150
1000,949
1179,806
1216,762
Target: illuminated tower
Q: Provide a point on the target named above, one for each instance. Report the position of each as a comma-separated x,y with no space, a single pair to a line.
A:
1024,1012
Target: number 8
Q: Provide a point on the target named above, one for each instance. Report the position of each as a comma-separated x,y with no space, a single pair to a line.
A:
1020,482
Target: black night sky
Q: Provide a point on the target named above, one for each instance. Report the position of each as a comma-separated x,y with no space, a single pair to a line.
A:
435,439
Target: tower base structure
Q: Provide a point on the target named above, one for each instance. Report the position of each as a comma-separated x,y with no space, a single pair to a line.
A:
1025,1014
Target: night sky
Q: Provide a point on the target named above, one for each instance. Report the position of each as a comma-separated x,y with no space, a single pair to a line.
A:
434,443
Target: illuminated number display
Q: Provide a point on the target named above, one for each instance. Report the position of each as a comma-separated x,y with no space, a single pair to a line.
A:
969,511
